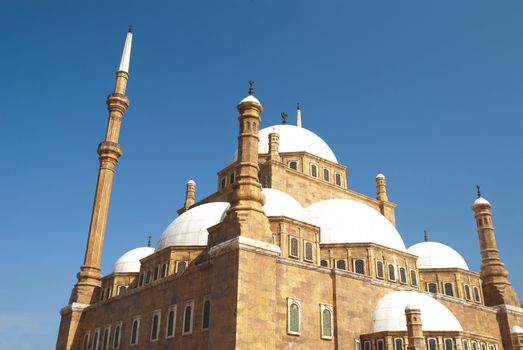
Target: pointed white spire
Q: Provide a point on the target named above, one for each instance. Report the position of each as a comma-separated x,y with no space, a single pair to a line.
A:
126,55
298,116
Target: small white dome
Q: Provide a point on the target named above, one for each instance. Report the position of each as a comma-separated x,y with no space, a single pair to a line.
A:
190,228
481,201
389,314
294,139
516,330
130,261
250,98
380,176
434,255
191,182
348,221
278,203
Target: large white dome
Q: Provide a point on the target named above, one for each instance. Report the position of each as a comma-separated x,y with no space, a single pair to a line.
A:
294,139
434,255
389,314
130,261
278,203
348,221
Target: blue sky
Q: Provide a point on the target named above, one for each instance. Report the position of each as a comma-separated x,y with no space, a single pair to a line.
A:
429,93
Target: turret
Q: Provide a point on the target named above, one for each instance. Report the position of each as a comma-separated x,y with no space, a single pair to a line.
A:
414,328
274,144
190,194
381,188
496,287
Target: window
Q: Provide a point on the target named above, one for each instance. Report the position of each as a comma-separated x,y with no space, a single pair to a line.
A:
232,177
122,290
324,262
187,318
180,266
134,331
171,322
379,269
474,345
326,174
403,275
141,280
367,345
308,251
413,278
449,290
293,316
359,267
483,346
148,278
449,344
116,337
357,344
164,271
293,252
206,317
432,287
398,344
465,344
96,338
467,292
492,347
156,272
380,345
477,297
432,344
222,182
337,179
293,165
392,272
155,325
314,170
341,264
107,332
326,321
86,341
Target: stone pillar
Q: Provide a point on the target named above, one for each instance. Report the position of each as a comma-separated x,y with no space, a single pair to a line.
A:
414,329
274,144
190,193
496,287
381,188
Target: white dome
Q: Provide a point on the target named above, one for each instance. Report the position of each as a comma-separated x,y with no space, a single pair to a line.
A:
348,221
389,314
250,98
278,203
516,330
190,228
434,255
294,139
481,201
130,261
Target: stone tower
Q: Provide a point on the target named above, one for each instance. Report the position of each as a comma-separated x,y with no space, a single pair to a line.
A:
414,328
497,289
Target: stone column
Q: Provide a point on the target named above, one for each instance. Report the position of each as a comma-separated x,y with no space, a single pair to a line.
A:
190,193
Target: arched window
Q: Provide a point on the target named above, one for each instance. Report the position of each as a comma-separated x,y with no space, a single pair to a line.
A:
474,345
187,318
449,344
148,279
359,267
403,275
477,297
293,165
337,179
379,269
105,344
86,342
308,251
293,317
116,338
468,296
392,273
171,319
367,345
413,278
141,280
483,346
294,248
96,338
432,344
398,344
326,321
232,177
324,262
206,319
181,266
449,290
340,264
465,344
222,182
164,270
326,174
314,170
155,326
134,331
156,272
122,290
432,287
380,344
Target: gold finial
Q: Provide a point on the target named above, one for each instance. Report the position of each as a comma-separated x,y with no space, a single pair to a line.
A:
479,190
251,87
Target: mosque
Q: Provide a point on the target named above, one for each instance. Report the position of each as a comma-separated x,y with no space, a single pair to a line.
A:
284,256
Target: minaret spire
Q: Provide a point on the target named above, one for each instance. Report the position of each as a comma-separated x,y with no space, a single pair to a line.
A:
109,152
298,115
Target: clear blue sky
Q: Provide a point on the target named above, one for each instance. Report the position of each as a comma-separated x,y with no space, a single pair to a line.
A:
429,93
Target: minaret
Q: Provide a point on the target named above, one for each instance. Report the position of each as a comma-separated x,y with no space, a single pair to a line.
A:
517,337
298,116
414,328
109,151
497,289
274,145
190,192
381,188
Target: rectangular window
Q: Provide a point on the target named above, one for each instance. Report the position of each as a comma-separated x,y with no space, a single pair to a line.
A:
180,266
107,333
326,175
379,269
413,278
141,280
432,287
293,164
477,297
468,296
155,325
432,344
380,345
341,264
314,170
449,289
308,251
465,343
293,247
403,275
359,266
187,317
367,345
170,322
398,344
223,182
135,330
156,272
337,179
449,344
86,341
206,314
483,346
148,279
474,345
324,262
293,316
164,271
232,177
96,339
392,272
117,335
326,321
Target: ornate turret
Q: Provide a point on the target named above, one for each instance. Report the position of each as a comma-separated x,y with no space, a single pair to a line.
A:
381,188
414,328
496,287
190,194
274,144
109,151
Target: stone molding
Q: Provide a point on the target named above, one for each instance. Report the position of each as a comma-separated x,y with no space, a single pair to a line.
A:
245,243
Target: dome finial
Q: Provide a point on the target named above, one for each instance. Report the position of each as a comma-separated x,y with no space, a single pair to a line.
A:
251,87
283,118
298,115
425,236
149,241
479,190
